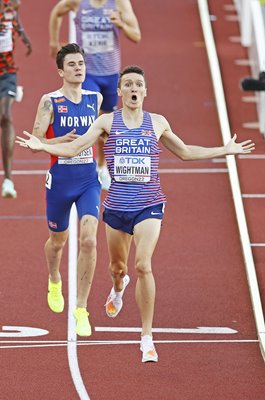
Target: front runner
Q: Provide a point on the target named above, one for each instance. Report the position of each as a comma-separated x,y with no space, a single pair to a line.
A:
134,204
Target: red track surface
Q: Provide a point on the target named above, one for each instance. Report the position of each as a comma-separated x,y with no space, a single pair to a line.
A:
199,267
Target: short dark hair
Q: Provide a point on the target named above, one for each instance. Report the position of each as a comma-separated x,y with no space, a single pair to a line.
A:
70,48
129,70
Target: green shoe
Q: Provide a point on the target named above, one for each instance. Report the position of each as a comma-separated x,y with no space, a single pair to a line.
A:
83,327
55,297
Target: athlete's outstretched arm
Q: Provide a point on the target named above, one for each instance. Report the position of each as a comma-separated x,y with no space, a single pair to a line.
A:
101,125
192,152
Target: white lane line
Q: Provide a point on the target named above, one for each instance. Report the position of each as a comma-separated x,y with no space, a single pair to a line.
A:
257,244
253,196
198,330
162,171
27,172
72,290
127,342
192,170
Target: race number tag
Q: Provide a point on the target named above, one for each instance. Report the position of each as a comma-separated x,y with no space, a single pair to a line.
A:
98,42
132,168
85,157
48,180
6,38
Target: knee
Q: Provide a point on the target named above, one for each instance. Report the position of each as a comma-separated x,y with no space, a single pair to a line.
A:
88,243
117,268
55,243
143,267
5,120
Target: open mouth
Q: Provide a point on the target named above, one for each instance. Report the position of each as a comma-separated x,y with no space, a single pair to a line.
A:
134,97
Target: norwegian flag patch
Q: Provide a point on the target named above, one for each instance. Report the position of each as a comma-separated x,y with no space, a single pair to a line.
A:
62,109
52,225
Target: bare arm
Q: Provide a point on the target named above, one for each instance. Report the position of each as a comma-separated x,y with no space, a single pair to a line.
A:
101,125
126,19
21,32
44,118
62,8
191,152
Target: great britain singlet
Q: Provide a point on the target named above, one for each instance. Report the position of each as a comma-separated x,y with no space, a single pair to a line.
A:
99,38
132,156
69,116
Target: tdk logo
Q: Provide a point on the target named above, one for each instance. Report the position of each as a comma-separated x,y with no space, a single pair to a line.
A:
132,160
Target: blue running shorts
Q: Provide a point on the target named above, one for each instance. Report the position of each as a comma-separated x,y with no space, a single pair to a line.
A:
107,86
61,197
8,85
126,220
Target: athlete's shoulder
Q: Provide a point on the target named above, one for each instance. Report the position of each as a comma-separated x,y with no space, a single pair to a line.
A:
157,118
57,93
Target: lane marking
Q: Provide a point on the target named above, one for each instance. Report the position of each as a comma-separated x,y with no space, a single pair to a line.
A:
127,342
253,196
162,171
193,170
72,292
22,331
198,330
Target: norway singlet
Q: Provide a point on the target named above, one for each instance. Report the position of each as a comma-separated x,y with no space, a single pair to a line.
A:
99,38
72,180
132,156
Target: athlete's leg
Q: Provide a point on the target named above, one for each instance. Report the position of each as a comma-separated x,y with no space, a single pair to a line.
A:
119,247
53,251
87,258
146,234
8,134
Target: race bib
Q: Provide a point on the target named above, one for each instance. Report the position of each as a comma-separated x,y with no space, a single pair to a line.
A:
98,42
132,168
6,38
85,157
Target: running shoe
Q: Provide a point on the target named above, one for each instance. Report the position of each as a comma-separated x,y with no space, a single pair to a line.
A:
8,189
55,297
114,302
83,327
104,178
148,349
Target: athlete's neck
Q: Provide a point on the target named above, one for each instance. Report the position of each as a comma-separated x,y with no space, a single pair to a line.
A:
98,3
72,93
133,118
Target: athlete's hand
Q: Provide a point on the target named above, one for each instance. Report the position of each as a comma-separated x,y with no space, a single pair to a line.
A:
239,148
32,143
69,137
115,18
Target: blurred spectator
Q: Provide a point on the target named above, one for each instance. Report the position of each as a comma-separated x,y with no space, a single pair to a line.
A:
10,24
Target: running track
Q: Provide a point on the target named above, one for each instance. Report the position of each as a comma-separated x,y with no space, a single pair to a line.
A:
199,267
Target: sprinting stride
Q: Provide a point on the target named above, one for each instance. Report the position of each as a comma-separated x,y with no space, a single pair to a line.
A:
134,205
